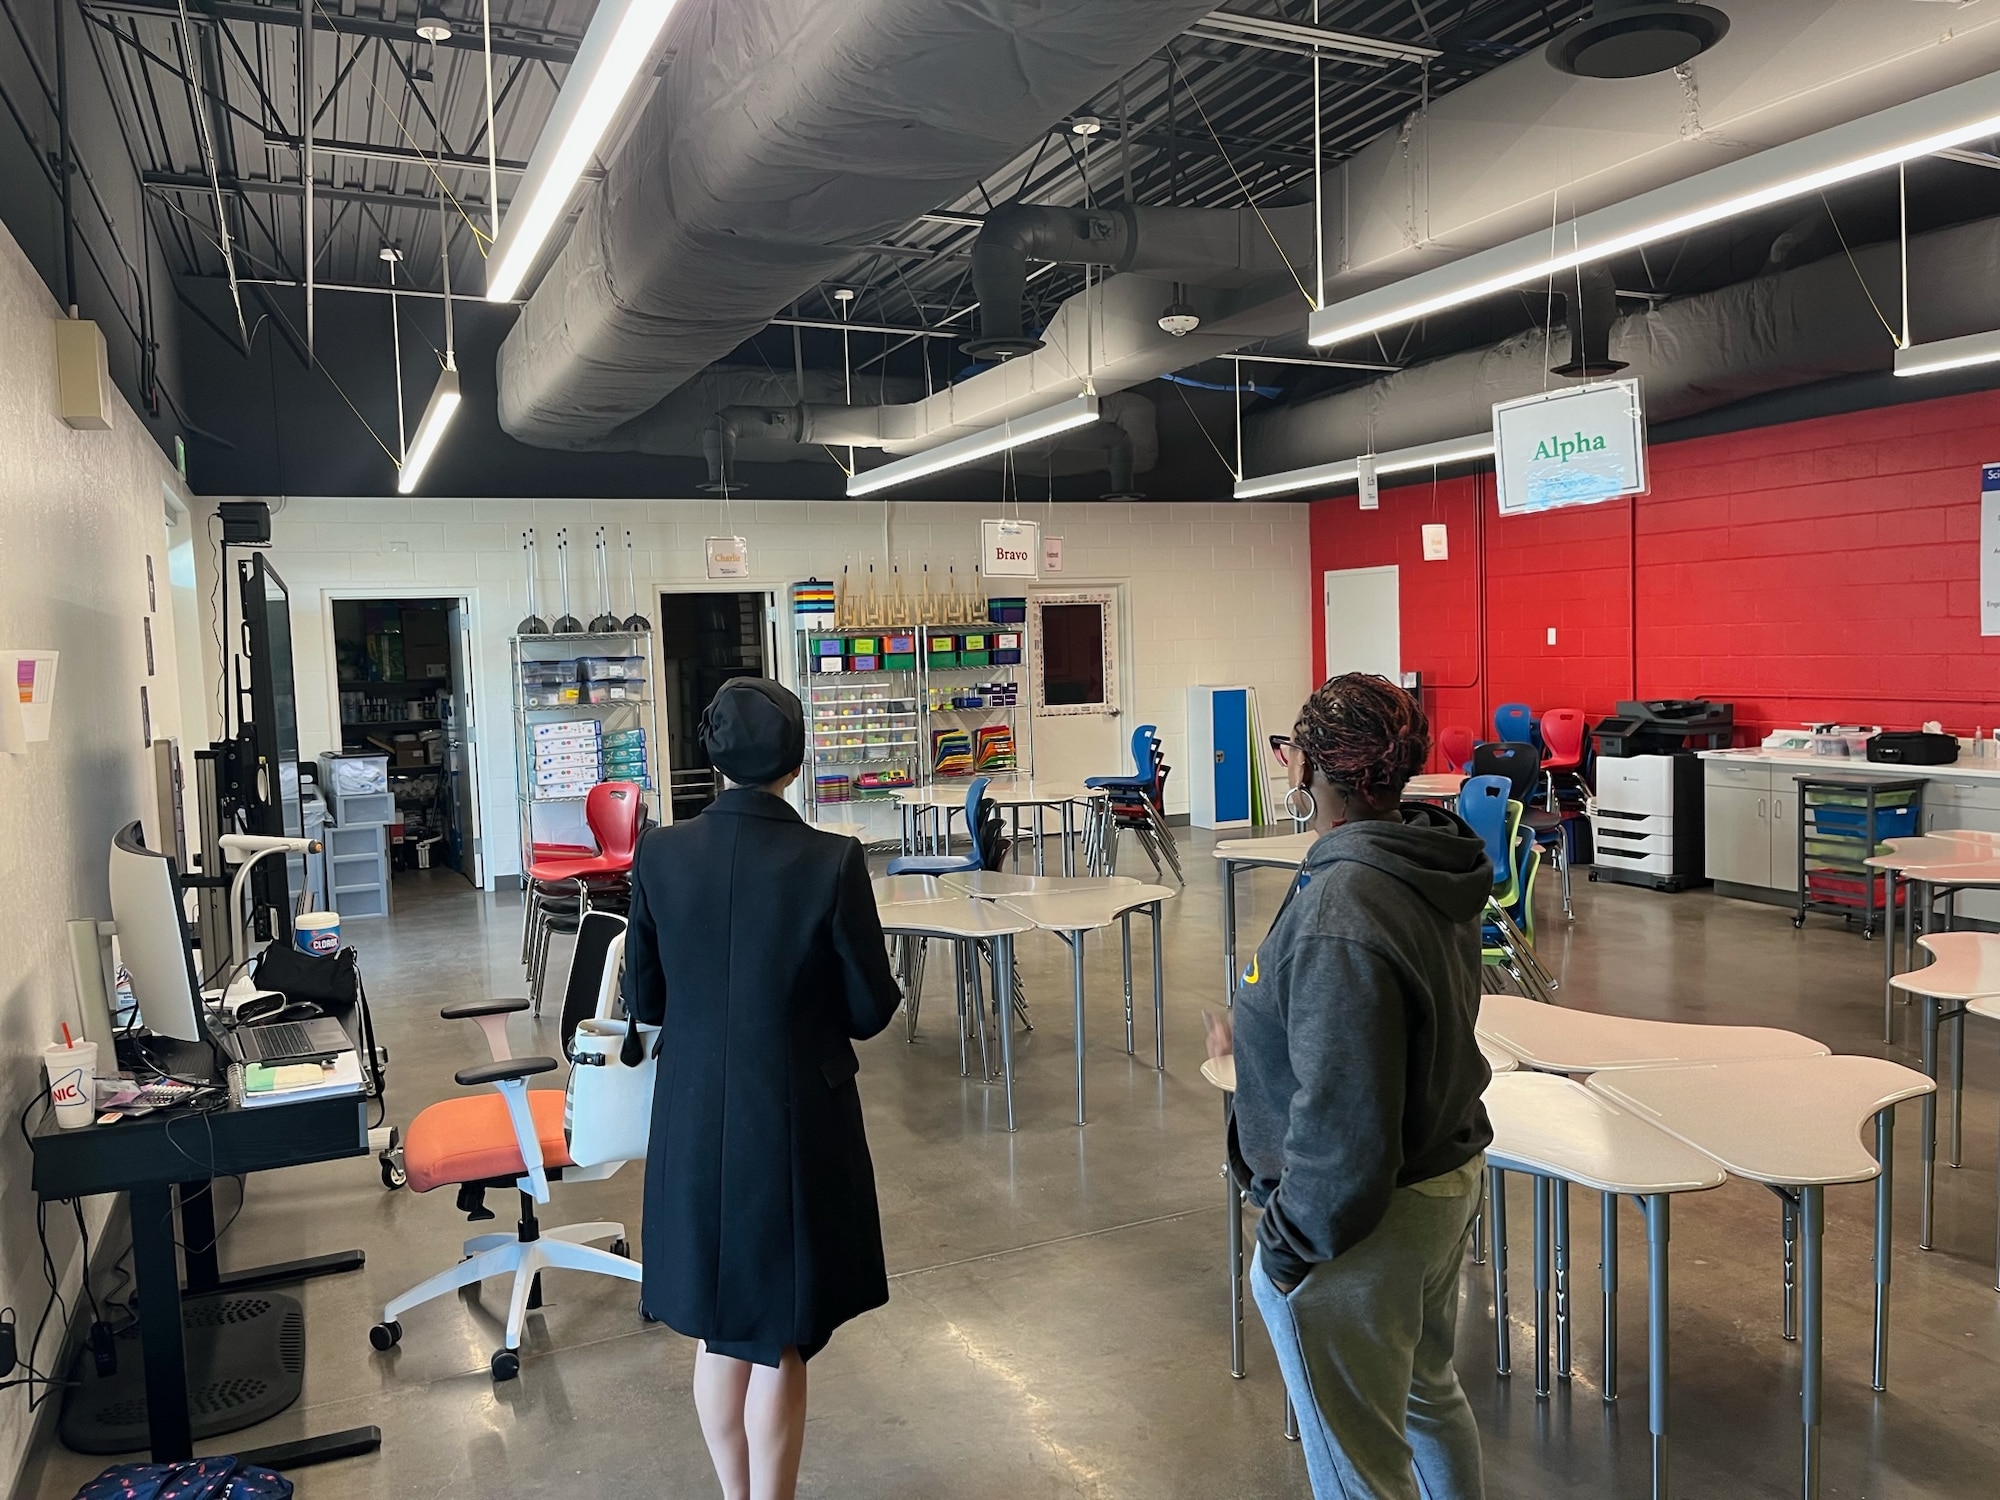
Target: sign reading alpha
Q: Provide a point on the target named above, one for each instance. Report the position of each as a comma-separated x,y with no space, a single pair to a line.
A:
1570,447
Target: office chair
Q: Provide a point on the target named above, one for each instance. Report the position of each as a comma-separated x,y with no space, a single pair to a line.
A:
1514,723
1522,766
517,1137
562,888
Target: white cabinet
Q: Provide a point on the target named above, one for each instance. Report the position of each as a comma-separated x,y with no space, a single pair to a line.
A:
1784,833
1966,805
1751,819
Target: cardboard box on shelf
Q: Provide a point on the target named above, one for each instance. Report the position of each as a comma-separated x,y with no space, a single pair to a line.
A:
405,751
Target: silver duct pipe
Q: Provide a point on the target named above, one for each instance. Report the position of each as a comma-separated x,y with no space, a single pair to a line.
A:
1786,329
784,132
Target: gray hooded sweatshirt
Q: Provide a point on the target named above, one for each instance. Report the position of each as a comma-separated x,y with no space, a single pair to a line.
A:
1356,1068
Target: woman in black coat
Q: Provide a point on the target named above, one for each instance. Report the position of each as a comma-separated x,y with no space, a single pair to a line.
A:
755,944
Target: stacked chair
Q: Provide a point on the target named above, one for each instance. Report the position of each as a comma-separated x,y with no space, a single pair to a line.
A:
1136,802
1521,767
562,888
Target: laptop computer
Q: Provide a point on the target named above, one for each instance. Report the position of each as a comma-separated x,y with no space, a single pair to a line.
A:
317,1040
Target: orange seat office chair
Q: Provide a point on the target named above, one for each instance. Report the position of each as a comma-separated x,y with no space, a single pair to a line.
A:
516,1137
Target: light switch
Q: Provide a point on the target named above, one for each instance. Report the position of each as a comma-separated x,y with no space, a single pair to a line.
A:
1552,635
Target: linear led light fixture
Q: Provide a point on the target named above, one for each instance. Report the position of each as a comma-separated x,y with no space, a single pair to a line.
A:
1270,28
1078,412
1965,112
1949,354
1348,471
438,412
616,48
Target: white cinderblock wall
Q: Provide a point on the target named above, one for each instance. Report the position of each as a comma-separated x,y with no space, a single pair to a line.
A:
1215,593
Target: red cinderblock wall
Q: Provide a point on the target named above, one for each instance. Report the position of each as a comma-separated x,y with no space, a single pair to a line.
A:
1821,570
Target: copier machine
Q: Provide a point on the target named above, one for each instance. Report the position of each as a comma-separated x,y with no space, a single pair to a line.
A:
1648,825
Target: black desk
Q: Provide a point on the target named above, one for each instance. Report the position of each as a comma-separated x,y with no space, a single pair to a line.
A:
179,1152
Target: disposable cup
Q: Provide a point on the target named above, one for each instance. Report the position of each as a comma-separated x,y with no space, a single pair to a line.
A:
71,1071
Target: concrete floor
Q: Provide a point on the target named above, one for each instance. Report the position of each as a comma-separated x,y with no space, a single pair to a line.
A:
1057,1321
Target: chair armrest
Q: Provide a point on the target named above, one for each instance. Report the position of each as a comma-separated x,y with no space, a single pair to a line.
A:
469,1010
507,1070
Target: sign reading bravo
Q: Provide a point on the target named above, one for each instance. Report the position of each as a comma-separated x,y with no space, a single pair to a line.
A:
1010,549
1570,447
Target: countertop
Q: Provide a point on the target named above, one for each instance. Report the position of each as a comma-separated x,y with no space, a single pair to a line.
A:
1963,769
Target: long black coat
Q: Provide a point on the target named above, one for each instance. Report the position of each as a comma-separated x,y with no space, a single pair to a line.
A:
755,943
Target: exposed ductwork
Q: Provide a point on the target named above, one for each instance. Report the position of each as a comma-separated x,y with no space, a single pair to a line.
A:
1481,167
1789,328
785,132
1591,305
1214,247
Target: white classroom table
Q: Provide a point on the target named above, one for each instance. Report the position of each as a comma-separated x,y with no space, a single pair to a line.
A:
940,802
844,830
1434,786
1282,852
993,885
1069,915
966,923
1557,1039
1944,860
1558,1131
1964,972
1792,1124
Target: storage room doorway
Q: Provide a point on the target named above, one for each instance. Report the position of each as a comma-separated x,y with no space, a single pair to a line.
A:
705,638
405,681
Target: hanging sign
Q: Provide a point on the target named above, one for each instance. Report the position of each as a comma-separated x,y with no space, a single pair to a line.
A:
1371,487
1570,447
728,557
1052,554
1010,549
1436,547
1989,549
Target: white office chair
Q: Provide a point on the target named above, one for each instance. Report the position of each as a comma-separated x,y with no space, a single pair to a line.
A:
525,1138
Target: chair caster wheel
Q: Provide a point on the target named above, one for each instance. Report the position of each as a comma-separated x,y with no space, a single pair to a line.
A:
393,1175
622,1247
506,1364
386,1336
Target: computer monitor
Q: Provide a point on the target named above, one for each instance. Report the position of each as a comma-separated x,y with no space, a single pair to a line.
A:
153,941
276,808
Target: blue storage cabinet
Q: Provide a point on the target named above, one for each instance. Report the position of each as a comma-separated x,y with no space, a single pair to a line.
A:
1220,758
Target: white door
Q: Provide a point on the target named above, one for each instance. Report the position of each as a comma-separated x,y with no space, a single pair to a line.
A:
1364,626
1076,671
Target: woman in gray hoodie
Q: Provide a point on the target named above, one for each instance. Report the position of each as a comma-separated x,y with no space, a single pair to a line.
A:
1357,1124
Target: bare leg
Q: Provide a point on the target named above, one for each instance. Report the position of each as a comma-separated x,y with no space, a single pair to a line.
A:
720,1384
774,1416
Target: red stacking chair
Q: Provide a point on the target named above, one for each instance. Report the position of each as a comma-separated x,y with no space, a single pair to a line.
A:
1564,735
562,888
1455,745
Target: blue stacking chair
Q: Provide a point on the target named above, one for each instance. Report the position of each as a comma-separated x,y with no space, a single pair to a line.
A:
1144,766
1514,723
1487,804
952,864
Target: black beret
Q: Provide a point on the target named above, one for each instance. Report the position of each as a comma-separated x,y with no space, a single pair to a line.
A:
754,730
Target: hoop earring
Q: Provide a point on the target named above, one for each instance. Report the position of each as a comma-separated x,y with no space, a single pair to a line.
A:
1292,808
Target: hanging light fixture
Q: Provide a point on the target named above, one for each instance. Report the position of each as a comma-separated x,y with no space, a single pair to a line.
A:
616,47
1080,411
438,412
433,25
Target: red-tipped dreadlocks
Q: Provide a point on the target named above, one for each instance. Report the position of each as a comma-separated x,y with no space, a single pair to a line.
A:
1365,735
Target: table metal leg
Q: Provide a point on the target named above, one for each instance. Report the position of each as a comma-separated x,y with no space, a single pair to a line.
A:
1957,1084
1929,1124
1003,1005
1812,1223
1885,1153
1125,940
1038,838
1076,985
1291,1421
1788,1215
1235,1267
1496,1214
1479,1227
1658,1226
1156,911
158,1277
1542,1214
977,987
1608,1282
1560,1190
1068,811
958,968
1228,932
1889,960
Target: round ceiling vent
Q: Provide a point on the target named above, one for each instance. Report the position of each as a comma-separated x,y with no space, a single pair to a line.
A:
1626,40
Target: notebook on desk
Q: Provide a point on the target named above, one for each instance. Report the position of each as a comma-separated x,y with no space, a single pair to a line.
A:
341,1076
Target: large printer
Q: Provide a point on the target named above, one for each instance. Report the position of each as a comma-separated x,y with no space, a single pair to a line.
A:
1648,824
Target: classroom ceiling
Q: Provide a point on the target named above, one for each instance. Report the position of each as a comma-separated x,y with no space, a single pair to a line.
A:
210,104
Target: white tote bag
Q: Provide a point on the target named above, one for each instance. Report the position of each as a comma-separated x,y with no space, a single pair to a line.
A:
608,1111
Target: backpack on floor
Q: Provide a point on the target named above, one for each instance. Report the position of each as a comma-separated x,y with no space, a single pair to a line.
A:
197,1479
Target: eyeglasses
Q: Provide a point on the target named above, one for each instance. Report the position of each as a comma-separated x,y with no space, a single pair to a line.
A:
1282,746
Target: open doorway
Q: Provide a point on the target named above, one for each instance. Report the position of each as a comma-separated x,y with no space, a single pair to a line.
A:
405,686
705,638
